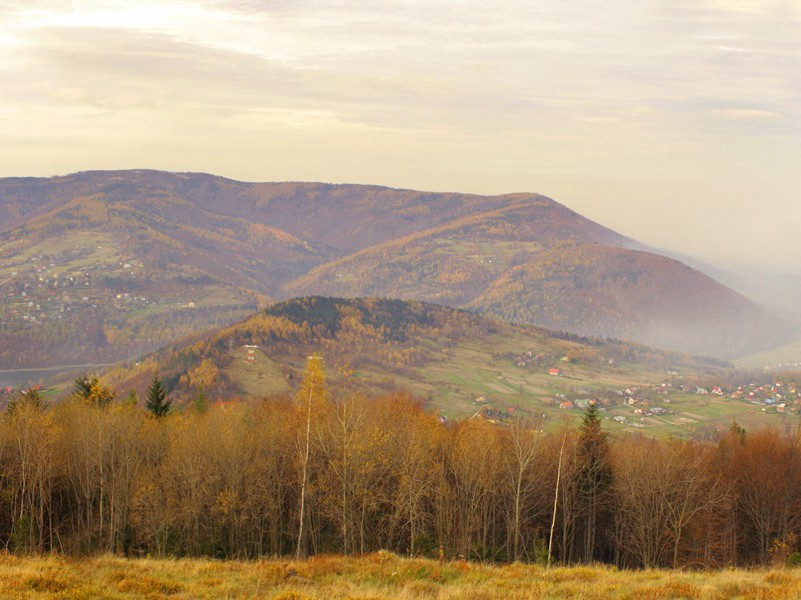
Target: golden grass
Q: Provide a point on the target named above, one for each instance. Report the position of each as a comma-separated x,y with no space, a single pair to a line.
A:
376,576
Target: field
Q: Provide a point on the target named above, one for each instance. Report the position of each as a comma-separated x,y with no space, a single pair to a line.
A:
460,365
786,356
455,376
376,576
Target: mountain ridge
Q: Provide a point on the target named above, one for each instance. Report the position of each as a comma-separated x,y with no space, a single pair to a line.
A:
254,243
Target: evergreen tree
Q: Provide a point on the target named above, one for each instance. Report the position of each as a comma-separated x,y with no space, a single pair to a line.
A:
200,404
157,402
94,392
132,399
83,386
595,478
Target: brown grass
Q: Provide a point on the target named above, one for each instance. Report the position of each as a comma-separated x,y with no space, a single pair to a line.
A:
372,577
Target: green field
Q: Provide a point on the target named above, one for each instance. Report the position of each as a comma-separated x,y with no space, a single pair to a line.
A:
454,377
783,355
460,365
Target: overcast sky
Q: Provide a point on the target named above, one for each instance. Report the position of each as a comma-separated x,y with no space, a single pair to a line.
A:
677,122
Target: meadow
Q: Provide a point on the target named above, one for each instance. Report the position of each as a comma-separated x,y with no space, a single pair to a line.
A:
375,576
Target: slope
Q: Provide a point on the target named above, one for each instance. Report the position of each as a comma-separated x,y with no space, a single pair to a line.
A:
143,246
457,362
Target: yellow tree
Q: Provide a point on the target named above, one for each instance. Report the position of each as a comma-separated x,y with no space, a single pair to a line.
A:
312,393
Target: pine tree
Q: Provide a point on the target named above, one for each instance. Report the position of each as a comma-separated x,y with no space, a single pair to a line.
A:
200,404
595,476
94,392
157,402
132,399
83,386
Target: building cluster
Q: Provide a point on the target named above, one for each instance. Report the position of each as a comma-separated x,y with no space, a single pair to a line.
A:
50,287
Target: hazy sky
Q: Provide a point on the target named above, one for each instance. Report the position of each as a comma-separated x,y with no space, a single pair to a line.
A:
677,122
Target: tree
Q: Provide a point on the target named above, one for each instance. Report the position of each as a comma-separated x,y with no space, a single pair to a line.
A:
157,402
200,403
94,392
312,391
132,399
29,398
522,448
594,476
665,491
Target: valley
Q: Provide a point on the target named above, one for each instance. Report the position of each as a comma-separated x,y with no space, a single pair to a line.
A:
164,272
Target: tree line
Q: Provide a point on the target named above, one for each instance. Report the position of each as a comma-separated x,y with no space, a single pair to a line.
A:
341,473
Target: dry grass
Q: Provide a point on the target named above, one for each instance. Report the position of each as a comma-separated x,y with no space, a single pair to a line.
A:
377,576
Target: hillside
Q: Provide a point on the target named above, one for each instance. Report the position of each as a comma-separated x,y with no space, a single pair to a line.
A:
106,265
457,362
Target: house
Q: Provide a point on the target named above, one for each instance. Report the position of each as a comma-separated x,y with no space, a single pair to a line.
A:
555,372
566,405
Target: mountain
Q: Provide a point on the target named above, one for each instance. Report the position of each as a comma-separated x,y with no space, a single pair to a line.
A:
106,265
457,363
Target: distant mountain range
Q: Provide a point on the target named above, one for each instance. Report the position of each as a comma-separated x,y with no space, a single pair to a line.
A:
109,264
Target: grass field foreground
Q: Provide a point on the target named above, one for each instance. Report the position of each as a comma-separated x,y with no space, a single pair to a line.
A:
380,575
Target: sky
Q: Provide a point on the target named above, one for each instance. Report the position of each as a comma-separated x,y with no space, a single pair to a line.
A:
676,122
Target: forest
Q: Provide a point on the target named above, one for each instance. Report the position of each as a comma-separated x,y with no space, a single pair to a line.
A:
320,472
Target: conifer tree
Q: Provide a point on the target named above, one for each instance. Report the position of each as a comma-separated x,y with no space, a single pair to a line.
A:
157,402
83,386
132,399
94,392
200,404
595,476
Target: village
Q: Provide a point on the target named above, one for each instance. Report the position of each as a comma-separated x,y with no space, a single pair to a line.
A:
47,287
641,406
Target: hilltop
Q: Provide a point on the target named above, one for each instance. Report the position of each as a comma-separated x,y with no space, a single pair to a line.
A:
106,265
456,362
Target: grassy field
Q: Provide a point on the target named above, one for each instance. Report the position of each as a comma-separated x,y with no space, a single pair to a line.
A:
790,353
455,376
377,576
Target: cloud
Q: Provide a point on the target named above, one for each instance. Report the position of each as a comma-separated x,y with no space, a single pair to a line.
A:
746,114
582,100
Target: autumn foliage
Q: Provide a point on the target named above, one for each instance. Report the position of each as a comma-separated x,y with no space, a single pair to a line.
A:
382,474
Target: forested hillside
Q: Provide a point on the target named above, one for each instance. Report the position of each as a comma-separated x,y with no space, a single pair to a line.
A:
460,364
123,261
